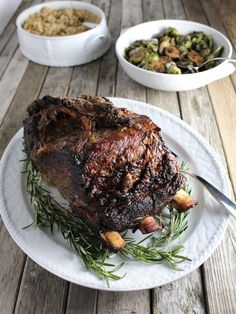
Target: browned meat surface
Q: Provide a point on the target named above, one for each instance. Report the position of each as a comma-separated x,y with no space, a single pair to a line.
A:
110,164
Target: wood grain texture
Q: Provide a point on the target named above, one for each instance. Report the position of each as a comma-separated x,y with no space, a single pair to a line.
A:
15,69
183,296
11,265
227,11
213,19
218,287
57,82
107,77
173,10
10,28
27,91
10,81
12,258
125,86
123,302
47,297
224,90
81,300
152,10
8,52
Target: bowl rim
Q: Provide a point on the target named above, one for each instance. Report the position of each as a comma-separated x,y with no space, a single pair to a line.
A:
127,63
51,4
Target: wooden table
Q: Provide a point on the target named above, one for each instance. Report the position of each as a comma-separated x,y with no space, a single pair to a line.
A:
27,288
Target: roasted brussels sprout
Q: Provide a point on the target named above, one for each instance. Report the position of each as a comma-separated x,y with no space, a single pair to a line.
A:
157,66
165,59
165,42
136,55
172,32
195,57
216,53
172,68
184,43
173,53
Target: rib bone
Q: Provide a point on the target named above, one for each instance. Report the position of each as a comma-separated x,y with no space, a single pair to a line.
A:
182,201
113,240
149,224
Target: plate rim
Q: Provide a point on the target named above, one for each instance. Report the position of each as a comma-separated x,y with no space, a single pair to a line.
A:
210,248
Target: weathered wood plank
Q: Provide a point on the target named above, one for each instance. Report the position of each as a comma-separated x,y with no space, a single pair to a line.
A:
47,297
221,287
131,13
12,77
213,19
125,86
223,100
11,264
8,52
173,10
81,300
10,28
123,302
182,296
12,258
227,11
84,79
11,80
107,78
27,91
152,10
219,277
199,113
57,82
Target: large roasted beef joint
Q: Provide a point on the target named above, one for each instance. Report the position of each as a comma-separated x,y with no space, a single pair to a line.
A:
110,164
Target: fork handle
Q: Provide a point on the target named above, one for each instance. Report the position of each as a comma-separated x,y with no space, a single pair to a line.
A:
217,59
222,199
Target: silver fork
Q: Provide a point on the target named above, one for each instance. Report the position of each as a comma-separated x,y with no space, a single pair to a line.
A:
222,199
194,69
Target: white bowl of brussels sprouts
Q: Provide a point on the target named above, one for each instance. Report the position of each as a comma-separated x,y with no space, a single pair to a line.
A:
155,54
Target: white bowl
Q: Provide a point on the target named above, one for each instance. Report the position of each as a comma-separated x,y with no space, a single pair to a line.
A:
64,50
172,82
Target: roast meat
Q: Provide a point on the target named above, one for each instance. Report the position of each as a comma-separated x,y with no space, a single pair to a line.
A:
109,163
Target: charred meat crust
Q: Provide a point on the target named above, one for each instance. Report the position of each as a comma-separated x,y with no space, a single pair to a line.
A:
112,165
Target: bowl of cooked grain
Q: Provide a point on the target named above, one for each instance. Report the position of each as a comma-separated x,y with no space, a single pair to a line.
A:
63,33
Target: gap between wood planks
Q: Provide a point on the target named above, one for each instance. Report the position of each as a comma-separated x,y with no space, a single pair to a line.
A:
220,299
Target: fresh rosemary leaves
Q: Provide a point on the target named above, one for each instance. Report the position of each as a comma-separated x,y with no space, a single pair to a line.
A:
86,244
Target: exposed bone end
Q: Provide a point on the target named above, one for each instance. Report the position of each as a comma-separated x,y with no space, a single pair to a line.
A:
182,201
148,224
113,240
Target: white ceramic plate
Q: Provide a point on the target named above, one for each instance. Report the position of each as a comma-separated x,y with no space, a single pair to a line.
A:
207,221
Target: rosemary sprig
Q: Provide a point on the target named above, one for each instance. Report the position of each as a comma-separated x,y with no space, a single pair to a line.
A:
176,224
154,254
86,244
49,213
